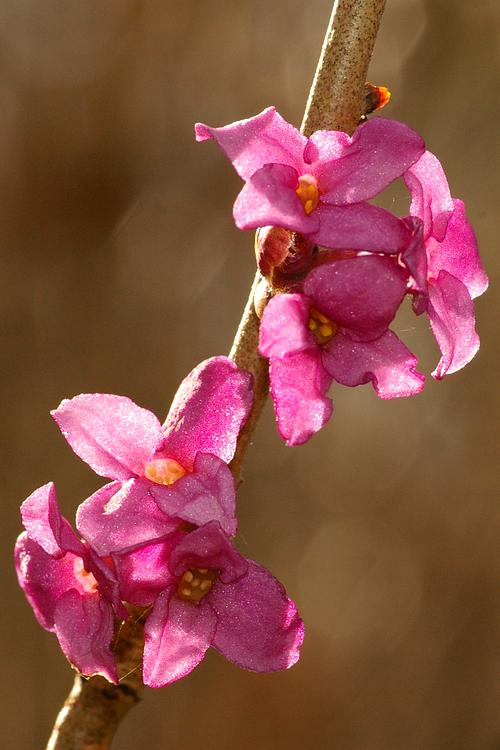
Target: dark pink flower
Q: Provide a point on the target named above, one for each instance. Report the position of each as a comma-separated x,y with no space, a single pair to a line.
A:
213,596
162,473
443,259
72,591
338,328
318,186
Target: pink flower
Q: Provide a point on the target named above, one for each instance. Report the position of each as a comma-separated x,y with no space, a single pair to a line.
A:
444,262
163,474
319,186
336,329
72,591
213,596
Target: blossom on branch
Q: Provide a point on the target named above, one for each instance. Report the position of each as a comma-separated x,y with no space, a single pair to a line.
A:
336,329
318,186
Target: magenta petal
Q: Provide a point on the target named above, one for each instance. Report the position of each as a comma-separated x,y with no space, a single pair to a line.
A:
451,315
122,515
144,572
206,494
269,198
283,328
110,433
386,363
43,578
264,139
299,383
380,151
258,627
177,635
431,200
359,226
325,146
414,257
208,547
45,525
360,294
84,626
208,411
458,253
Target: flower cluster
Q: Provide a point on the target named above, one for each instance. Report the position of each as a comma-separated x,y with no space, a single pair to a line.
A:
159,535
340,267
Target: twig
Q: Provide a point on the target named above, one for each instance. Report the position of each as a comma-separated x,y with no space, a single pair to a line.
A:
94,708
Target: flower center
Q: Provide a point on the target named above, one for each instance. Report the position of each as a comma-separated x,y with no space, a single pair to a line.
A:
322,327
308,192
164,470
195,584
85,578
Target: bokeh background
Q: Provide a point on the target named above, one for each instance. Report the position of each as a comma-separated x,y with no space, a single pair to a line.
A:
121,269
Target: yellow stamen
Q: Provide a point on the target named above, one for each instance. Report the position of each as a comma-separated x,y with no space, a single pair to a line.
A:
164,470
312,325
322,327
308,192
326,330
199,580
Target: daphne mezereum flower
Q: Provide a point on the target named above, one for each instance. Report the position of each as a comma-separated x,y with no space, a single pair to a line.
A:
74,594
163,474
318,186
213,596
337,329
444,262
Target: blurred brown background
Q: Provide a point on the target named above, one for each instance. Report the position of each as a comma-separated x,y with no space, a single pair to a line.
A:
122,269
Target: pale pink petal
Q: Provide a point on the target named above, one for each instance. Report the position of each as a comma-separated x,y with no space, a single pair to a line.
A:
43,578
269,198
258,626
361,294
380,151
299,383
264,139
431,200
177,635
44,523
208,411
359,226
325,146
451,315
84,626
208,547
122,515
458,253
386,363
206,494
110,433
283,328
144,572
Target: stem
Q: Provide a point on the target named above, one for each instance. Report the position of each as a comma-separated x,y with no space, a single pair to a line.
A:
94,708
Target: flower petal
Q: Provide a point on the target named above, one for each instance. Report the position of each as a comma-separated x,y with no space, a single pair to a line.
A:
458,253
264,139
299,383
84,626
258,627
451,315
208,411
283,328
45,525
206,494
122,515
177,635
269,197
110,433
386,363
144,572
359,226
361,294
208,547
414,257
430,195
379,151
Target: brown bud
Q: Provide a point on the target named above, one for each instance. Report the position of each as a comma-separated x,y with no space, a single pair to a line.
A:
282,255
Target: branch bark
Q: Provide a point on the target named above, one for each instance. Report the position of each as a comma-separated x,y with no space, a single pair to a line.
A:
94,708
